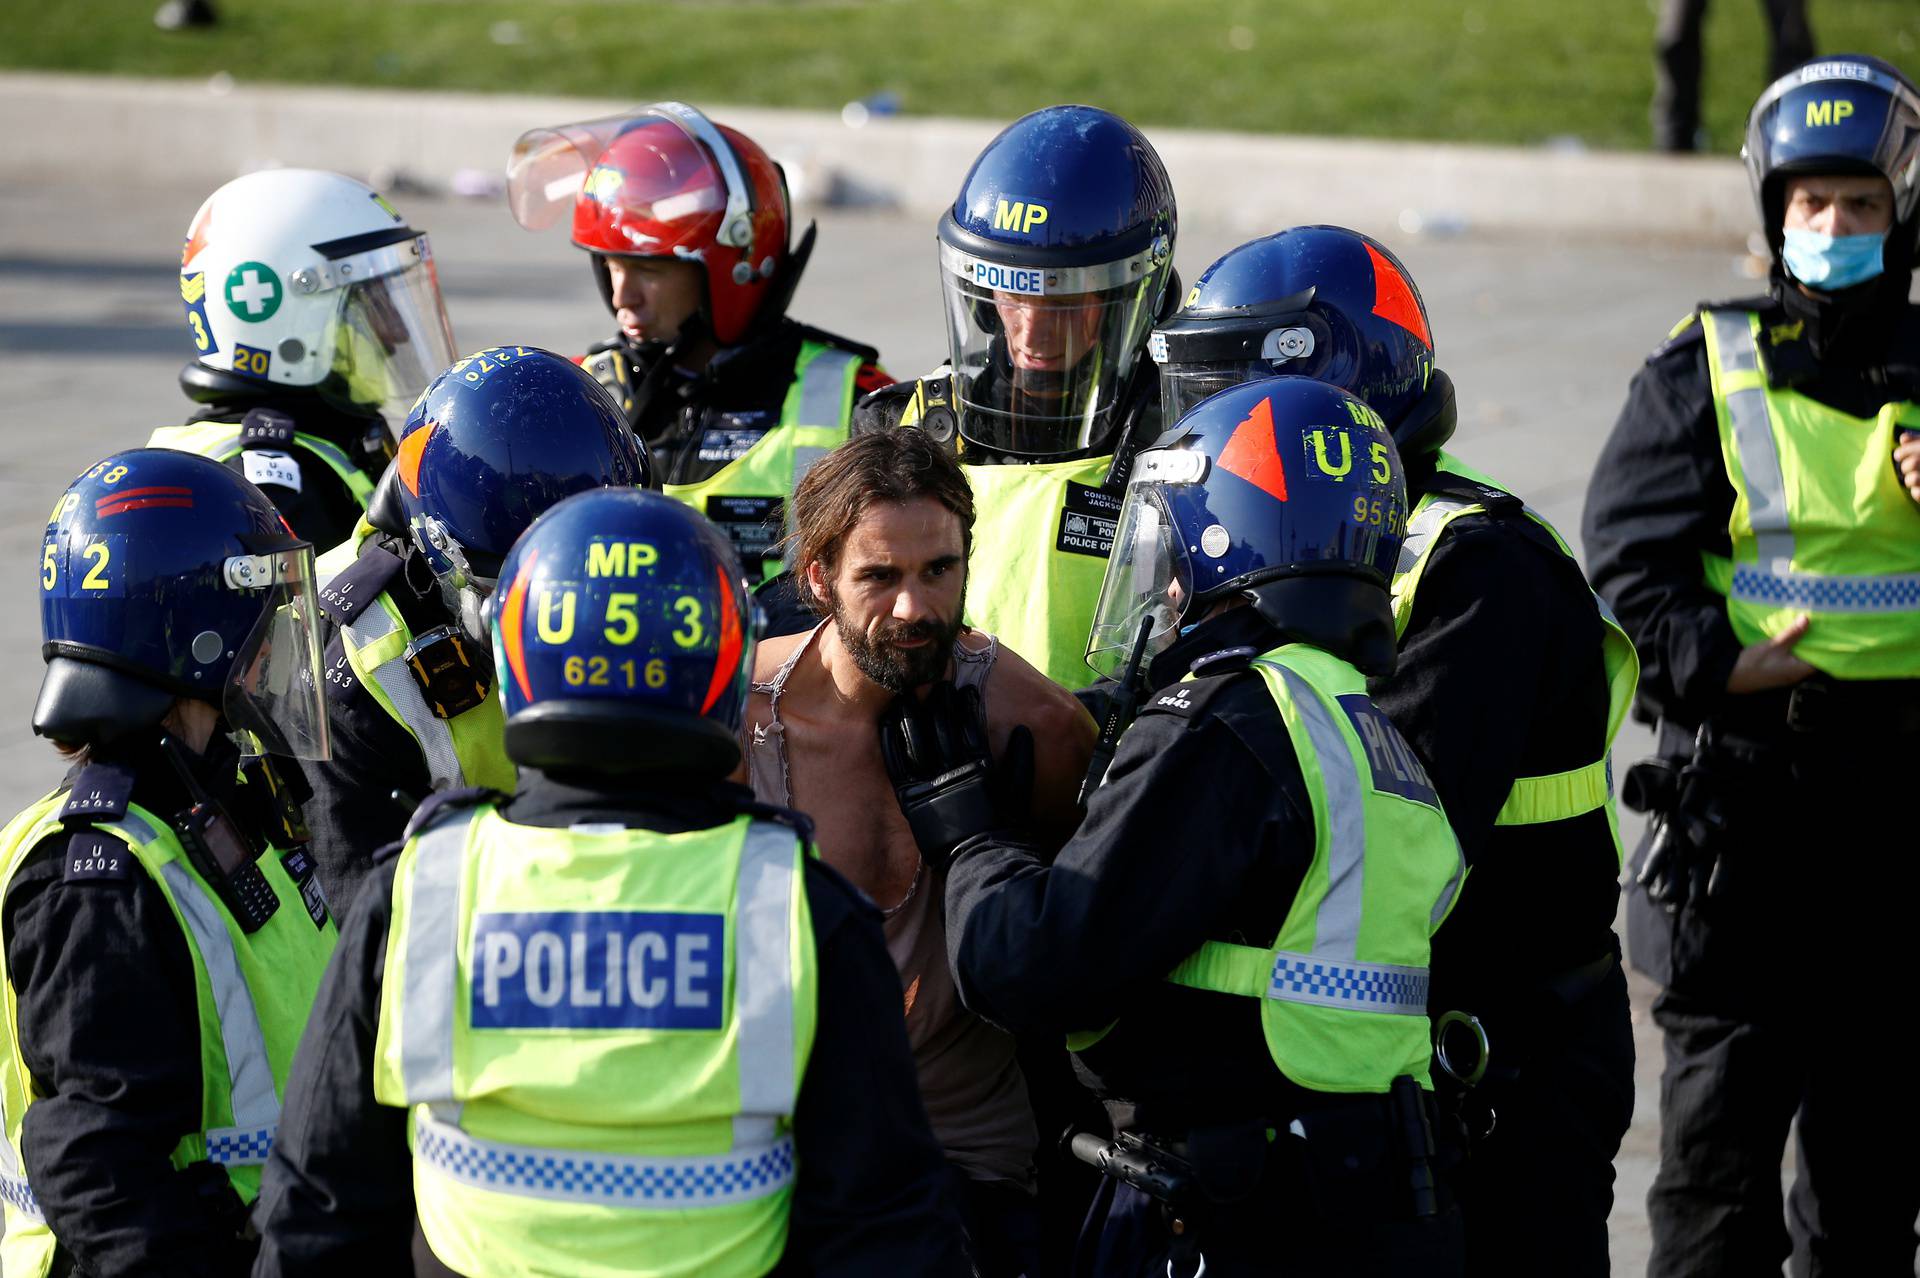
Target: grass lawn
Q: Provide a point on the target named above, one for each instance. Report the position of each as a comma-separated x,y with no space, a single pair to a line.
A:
1513,71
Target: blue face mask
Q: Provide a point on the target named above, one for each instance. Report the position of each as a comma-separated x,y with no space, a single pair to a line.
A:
1823,262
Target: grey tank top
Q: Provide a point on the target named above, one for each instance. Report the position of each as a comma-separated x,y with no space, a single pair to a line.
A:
970,1082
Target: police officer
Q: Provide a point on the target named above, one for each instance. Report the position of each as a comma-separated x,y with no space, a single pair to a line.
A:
1056,259
1510,683
1263,833
162,936
1747,523
497,438
313,306
687,223
670,1061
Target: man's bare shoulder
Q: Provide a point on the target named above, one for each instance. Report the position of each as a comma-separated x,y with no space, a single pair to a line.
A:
1063,735
770,654
1018,693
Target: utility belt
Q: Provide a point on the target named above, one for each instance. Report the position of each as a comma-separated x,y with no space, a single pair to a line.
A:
1345,1158
1822,715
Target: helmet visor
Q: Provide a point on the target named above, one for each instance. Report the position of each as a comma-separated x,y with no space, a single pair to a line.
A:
1040,355
273,698
1201,356
550,167
390,331
1148,583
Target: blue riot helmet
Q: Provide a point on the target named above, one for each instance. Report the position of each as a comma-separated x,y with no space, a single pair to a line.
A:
1287,490
493,441
623,639
164,575
1312,301
1840,115
1054,260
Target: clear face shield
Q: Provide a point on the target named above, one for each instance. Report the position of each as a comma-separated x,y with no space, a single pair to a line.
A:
390,332
549,168
1149,583
1039,354
273,699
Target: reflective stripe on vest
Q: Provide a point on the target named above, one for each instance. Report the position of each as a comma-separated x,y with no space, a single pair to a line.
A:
384,664
815,417
582,1176
468,749
1557,796
221,441
1816,539
761,1159
1361,918
252,1078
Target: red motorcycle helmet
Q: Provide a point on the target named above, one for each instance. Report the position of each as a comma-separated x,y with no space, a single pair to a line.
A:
674,184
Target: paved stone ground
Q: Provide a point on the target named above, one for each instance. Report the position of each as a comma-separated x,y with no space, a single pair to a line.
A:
1540,336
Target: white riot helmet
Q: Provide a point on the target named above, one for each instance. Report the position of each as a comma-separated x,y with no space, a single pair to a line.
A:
301,278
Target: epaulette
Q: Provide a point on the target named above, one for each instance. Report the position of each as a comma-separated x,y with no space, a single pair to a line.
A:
1210,674
266,428
100,792
355,587
799,822
1687,332
444,803
1498,501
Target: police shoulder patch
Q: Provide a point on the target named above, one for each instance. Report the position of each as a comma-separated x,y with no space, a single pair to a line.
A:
354,588
99,793
93,857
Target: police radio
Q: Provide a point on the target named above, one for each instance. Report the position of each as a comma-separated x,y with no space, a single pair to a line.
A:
442,662
219,849
1118,717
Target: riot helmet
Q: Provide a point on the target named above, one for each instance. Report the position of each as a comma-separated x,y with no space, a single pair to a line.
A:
1847,114
1054,262
666,182
1286,490
164,574
495,440
1311,301
296,278
623,638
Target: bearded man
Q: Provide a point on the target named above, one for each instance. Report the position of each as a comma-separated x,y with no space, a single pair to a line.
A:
882,529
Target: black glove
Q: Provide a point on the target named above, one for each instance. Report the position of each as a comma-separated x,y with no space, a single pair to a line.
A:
947,782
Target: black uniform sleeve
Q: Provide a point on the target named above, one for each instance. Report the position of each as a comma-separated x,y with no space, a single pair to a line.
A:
1658,499
1480,657
1187,813
352,813
337,1196
870,1196
110,1032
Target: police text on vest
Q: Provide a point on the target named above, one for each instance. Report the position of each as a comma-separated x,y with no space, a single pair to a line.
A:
599,969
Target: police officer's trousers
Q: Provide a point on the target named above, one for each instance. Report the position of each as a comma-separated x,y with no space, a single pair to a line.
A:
1537,1191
